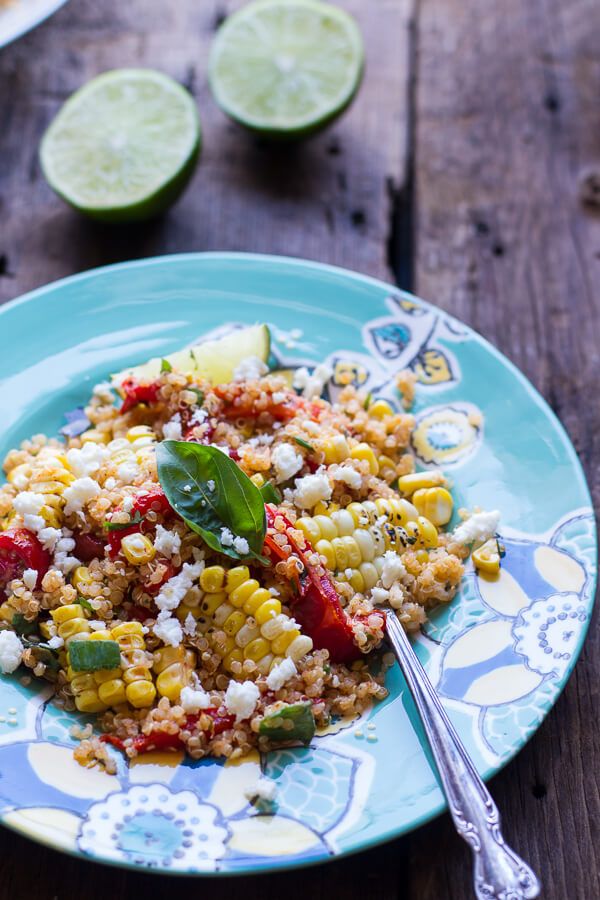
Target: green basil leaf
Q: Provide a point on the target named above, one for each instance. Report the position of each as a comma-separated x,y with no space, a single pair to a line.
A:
304,444
199,395
22,626
165,366
120,526
83,601
270,493
233,503
368,400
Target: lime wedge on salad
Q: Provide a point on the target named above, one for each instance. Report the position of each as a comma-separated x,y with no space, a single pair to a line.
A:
286,67
123,147
214,360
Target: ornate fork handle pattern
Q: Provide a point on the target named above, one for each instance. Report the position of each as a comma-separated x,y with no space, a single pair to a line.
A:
499,874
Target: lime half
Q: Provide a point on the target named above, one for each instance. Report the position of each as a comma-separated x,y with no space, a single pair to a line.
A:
123,147
286,67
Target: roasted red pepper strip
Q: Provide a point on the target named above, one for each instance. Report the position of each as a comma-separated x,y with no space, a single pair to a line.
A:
135,393
316,607
20,550
163,740
152,499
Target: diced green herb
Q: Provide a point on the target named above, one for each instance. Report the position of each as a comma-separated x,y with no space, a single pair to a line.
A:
121,526
165,366
43,653
199,395
22,626
86,604
292,723
234,504
304,444
368,400
90,656
270,493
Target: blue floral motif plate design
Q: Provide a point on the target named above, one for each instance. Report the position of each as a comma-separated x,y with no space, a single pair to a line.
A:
499,654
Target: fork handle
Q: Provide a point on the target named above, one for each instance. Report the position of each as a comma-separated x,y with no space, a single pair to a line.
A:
498,873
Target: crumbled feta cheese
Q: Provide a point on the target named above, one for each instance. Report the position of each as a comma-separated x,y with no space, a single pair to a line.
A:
189,625
166,542
241,699
311,489
281,673
172,429
274,592
11,652
20,480
110,483
30,577
128,471
261,440
49,537
210,484
168,629
87,460
80,492
226,537
27,503
393,569
286,462
262,789
188,488
311,427
379,595
56,642
241,546
33,523
127,504
249,369
174,590
63,561
198,417
348,475
279,397
97,625
193,701
312,385
480,526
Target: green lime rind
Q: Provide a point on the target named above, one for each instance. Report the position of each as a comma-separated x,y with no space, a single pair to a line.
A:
123,147
286,68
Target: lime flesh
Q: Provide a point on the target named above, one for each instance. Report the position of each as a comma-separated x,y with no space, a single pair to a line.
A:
214,360
286,67
123,147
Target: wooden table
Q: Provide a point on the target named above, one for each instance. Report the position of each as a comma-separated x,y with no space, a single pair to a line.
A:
469,171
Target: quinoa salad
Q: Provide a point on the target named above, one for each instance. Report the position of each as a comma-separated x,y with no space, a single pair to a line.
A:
205,559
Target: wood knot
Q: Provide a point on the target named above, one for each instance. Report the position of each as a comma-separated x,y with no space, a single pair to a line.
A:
588,187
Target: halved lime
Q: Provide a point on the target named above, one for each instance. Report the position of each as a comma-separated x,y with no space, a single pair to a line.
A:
215,360
286,67
123,147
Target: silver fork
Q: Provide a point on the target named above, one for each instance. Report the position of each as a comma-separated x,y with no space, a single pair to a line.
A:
498,873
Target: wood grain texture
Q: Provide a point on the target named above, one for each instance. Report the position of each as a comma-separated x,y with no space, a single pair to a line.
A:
506,118
327,199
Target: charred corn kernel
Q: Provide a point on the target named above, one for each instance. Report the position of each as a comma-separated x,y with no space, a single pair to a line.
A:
234,622
140,694
408,484
235,655
140,431
85,693
379,409
126,628
365,452
184,610
99,636
211,602
70,621
299,647
223,613
256,649
436,504
81,576
222,643
137,549
423,532
336,449
174,667
359,514
94,436
487,557
267,610
19,476
258,479
112,692
212,579
45,630
241,594
236,576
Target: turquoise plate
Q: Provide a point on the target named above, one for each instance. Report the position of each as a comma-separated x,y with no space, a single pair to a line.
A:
499,654
20,16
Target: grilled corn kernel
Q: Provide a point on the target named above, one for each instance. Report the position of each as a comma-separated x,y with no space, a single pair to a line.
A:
93,436
212,579
241,594
379,409
258,479
436,504
112,692
19,476
88,701
137,549
267,610
255,601
336,449
256,649
364,451
140,694
81,576
487,557
139,431
299,647
408,484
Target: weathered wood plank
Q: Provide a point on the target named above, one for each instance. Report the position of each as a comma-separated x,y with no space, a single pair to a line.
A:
328,199
507,116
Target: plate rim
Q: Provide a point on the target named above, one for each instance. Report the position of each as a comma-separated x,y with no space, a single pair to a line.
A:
16,33
292,262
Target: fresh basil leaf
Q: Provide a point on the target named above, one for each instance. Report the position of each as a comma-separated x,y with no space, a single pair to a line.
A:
121,526
77,422
234,503
304,444
270,493
200,395
368,400
86,604
22,626
165,366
